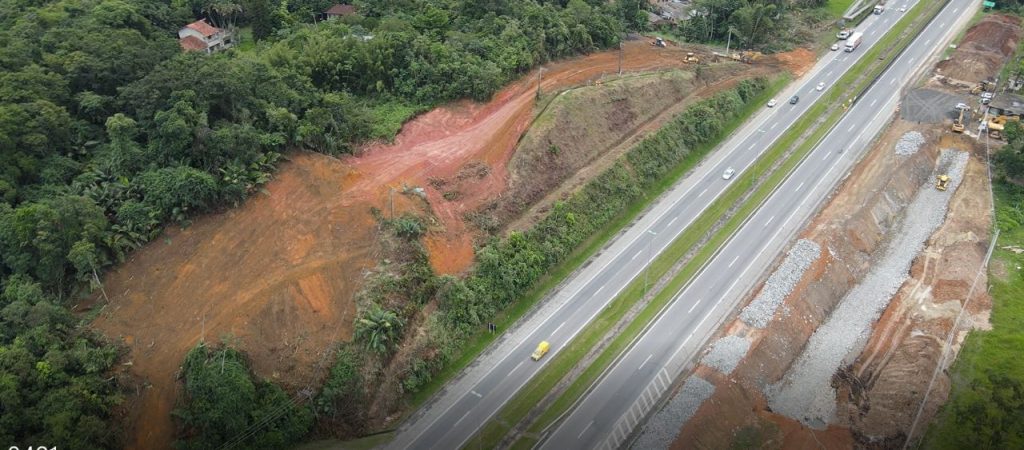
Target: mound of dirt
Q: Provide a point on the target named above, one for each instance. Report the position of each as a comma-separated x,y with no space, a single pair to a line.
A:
583,131
887,379
983,50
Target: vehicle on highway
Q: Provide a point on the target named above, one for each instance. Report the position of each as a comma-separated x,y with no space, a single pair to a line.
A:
903,9
542,349
728,173
794,99
835,47
854,41
879,9
772,103
820,86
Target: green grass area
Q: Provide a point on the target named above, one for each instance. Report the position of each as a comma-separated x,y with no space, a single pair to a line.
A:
245,42
986,402
387,118
570,355
836,8
515,410
364,443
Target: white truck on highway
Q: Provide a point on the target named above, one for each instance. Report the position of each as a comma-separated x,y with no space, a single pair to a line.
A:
853,41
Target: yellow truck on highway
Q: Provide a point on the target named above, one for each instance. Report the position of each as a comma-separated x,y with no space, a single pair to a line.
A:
542,349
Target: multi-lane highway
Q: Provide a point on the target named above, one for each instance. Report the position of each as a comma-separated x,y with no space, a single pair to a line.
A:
630,388
450,419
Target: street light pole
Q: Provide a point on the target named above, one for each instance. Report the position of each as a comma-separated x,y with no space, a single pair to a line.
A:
650,258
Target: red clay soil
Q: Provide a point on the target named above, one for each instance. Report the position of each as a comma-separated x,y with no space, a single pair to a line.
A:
437,145
983,50
277,274
798,61
280,273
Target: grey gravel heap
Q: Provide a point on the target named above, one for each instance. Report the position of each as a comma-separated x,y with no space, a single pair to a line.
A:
663,427
909,143
761,310
805,393
726,353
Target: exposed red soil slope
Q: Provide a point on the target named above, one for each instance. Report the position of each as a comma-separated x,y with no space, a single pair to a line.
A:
439,144
279,273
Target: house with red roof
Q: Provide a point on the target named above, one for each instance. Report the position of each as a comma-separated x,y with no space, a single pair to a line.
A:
339,10
201,36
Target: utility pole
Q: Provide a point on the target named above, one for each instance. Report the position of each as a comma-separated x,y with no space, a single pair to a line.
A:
540,70
728,41
620,58
391,201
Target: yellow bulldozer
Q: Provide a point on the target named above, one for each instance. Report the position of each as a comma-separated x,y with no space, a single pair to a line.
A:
943,181
691,58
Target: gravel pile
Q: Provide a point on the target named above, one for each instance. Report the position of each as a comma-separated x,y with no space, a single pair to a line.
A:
663,427
805,393
726,353
909,143
761,310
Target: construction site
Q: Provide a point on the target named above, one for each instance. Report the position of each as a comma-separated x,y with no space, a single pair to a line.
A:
847,341
280,276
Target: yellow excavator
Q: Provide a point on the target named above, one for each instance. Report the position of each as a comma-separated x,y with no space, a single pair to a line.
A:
958,123
982,87
943,180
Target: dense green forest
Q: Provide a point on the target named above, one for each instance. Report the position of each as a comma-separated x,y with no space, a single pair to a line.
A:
108,132
767,25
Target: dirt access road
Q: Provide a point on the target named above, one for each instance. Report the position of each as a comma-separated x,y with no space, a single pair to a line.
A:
279,273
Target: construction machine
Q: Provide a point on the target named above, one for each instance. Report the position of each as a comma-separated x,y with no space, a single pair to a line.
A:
998,123
691,58
943,180
958,123
983,86
658,42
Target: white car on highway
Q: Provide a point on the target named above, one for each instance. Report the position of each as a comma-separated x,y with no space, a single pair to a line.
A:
820,86
835,47
728,173
771,103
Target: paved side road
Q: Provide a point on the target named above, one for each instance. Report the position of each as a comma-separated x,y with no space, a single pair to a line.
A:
629,389
455,414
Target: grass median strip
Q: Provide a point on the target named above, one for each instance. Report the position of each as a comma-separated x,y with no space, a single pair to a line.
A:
515,410
493,432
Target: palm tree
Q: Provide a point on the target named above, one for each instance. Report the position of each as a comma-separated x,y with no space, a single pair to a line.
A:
379,329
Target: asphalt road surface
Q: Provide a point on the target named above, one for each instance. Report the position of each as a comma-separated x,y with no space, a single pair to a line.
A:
452,417
628,390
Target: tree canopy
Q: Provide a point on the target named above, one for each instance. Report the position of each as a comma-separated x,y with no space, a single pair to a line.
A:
109,131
